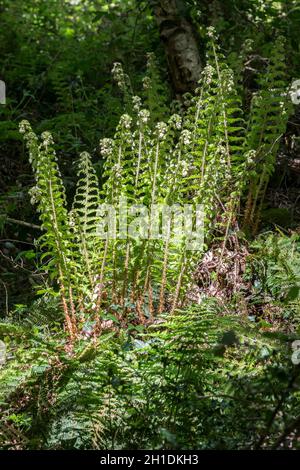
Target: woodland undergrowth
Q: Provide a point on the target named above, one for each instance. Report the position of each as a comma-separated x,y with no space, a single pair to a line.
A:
145,343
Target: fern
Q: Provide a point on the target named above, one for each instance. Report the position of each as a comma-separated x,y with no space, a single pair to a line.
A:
269,114
202,159
49,193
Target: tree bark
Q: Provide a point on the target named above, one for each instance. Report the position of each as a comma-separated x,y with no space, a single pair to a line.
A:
180,44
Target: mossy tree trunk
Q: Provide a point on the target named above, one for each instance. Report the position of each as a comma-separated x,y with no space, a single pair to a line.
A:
181,45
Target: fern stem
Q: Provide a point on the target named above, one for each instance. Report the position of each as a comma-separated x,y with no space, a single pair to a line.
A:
164,271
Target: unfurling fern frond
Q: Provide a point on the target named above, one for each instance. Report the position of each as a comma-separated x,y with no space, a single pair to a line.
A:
108,260
49,193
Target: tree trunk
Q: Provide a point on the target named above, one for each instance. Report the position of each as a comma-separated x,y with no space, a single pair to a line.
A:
180,44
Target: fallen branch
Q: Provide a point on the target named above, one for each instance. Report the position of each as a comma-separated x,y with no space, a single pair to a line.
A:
21,222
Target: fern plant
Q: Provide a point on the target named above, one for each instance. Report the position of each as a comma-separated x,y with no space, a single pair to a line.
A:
198,379
200,159
267,123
